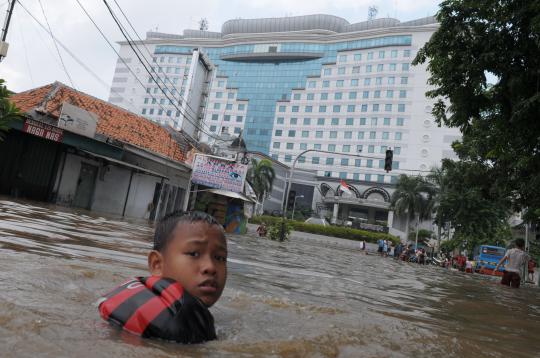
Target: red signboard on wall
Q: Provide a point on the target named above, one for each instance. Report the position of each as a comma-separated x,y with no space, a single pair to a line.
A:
43,130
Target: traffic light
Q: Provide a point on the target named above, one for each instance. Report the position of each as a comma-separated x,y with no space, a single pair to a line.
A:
290,200
388,160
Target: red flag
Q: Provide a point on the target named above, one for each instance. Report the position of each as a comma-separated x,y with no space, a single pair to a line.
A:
344,187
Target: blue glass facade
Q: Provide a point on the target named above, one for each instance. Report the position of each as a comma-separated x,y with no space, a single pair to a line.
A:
265,82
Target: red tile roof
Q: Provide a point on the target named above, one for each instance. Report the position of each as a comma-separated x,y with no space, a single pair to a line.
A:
113,122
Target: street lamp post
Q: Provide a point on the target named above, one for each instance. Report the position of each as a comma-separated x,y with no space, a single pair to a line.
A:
294,205
289,181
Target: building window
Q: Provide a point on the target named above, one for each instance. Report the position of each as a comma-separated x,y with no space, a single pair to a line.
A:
395,164
365,94
230,95
294,108
381,54
307,121
292,133
368,177
327,174
349,121
388,107
213,129
341,70
327,71
363,121
331,147
368,68
228,106
326,84
322,109
370,55
276,145
393,53
345,162
329,161
318,134
367,81
335,121
215,117
282,108
378,81
392,67
375,108
406,53
346,148
347,135
302,159
371,149
380,178
343,175
317,146
380,67
357,162
381,164
363,108
310,96
397,150
339,83
404,66
372,135
404,80
354,82
383,149
391,80
315,160
356,69
398,136
343,58
237,130
312,84
143,111
278,133
239,118
333,134
303,146
369,163
305,134
385,135
400,121
293,121
336,108
219,94
324,96
401,107
352,95
297,96
288,158
338,95
289,146
280,120
377,94
320,121
227,118
402,94
309,109
359,148
360,135
374,121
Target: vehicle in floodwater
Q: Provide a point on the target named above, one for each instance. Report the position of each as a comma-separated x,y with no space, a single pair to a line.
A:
488,257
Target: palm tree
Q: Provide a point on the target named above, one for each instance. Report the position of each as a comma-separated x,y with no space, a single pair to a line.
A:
8,111
412,198
437,178
260,177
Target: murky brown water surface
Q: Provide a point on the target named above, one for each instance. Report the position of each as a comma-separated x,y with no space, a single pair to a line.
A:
281,300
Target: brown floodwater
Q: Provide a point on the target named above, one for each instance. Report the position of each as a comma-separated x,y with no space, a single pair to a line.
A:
292,299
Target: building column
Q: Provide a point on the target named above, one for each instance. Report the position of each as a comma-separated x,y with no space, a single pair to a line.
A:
335,213
390,219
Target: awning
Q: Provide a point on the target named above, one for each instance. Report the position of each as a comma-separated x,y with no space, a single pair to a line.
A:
127,165
231,194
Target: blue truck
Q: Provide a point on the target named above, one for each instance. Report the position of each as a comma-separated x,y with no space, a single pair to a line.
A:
488,257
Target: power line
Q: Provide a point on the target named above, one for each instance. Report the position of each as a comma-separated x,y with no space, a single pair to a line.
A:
56,45
80,62
129,40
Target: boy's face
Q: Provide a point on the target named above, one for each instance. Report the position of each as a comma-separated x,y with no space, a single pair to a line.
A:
196,257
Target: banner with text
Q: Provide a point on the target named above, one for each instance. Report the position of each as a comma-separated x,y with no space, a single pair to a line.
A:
219,173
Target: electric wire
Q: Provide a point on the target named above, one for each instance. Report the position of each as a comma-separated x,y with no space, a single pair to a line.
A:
56,45
127,37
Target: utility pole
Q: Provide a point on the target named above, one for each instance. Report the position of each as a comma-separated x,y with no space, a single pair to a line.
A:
3,44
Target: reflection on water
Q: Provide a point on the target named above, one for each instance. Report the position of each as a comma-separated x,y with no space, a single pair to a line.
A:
290,300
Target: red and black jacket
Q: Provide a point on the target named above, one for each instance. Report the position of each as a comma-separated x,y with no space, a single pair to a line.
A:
160,308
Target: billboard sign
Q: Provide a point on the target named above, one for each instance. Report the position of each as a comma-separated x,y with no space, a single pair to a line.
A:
77,120
43,130
219,173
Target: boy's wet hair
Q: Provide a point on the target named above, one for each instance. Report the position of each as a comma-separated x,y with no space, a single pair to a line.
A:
168,223
520,243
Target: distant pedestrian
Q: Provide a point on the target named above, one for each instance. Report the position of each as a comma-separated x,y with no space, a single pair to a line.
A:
385,248
381,246
363,245
530,268
517,258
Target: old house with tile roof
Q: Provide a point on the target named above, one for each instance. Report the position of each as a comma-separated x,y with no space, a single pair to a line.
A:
76,150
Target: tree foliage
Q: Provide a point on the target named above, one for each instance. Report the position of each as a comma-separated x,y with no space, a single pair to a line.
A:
477,40
260,177
8,111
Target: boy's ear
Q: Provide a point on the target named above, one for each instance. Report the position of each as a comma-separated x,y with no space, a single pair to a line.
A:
155,263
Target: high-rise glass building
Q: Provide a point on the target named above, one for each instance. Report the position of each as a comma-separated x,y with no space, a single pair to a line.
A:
297,83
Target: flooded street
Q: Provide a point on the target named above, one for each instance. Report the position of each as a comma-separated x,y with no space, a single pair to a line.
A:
291,300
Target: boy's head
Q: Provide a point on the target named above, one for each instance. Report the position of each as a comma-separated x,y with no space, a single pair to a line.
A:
520,243
190,247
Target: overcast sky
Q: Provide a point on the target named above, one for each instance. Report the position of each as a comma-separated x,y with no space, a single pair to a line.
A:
32,60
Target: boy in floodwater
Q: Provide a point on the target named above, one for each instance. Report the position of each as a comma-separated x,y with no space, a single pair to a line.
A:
517,258
188,267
